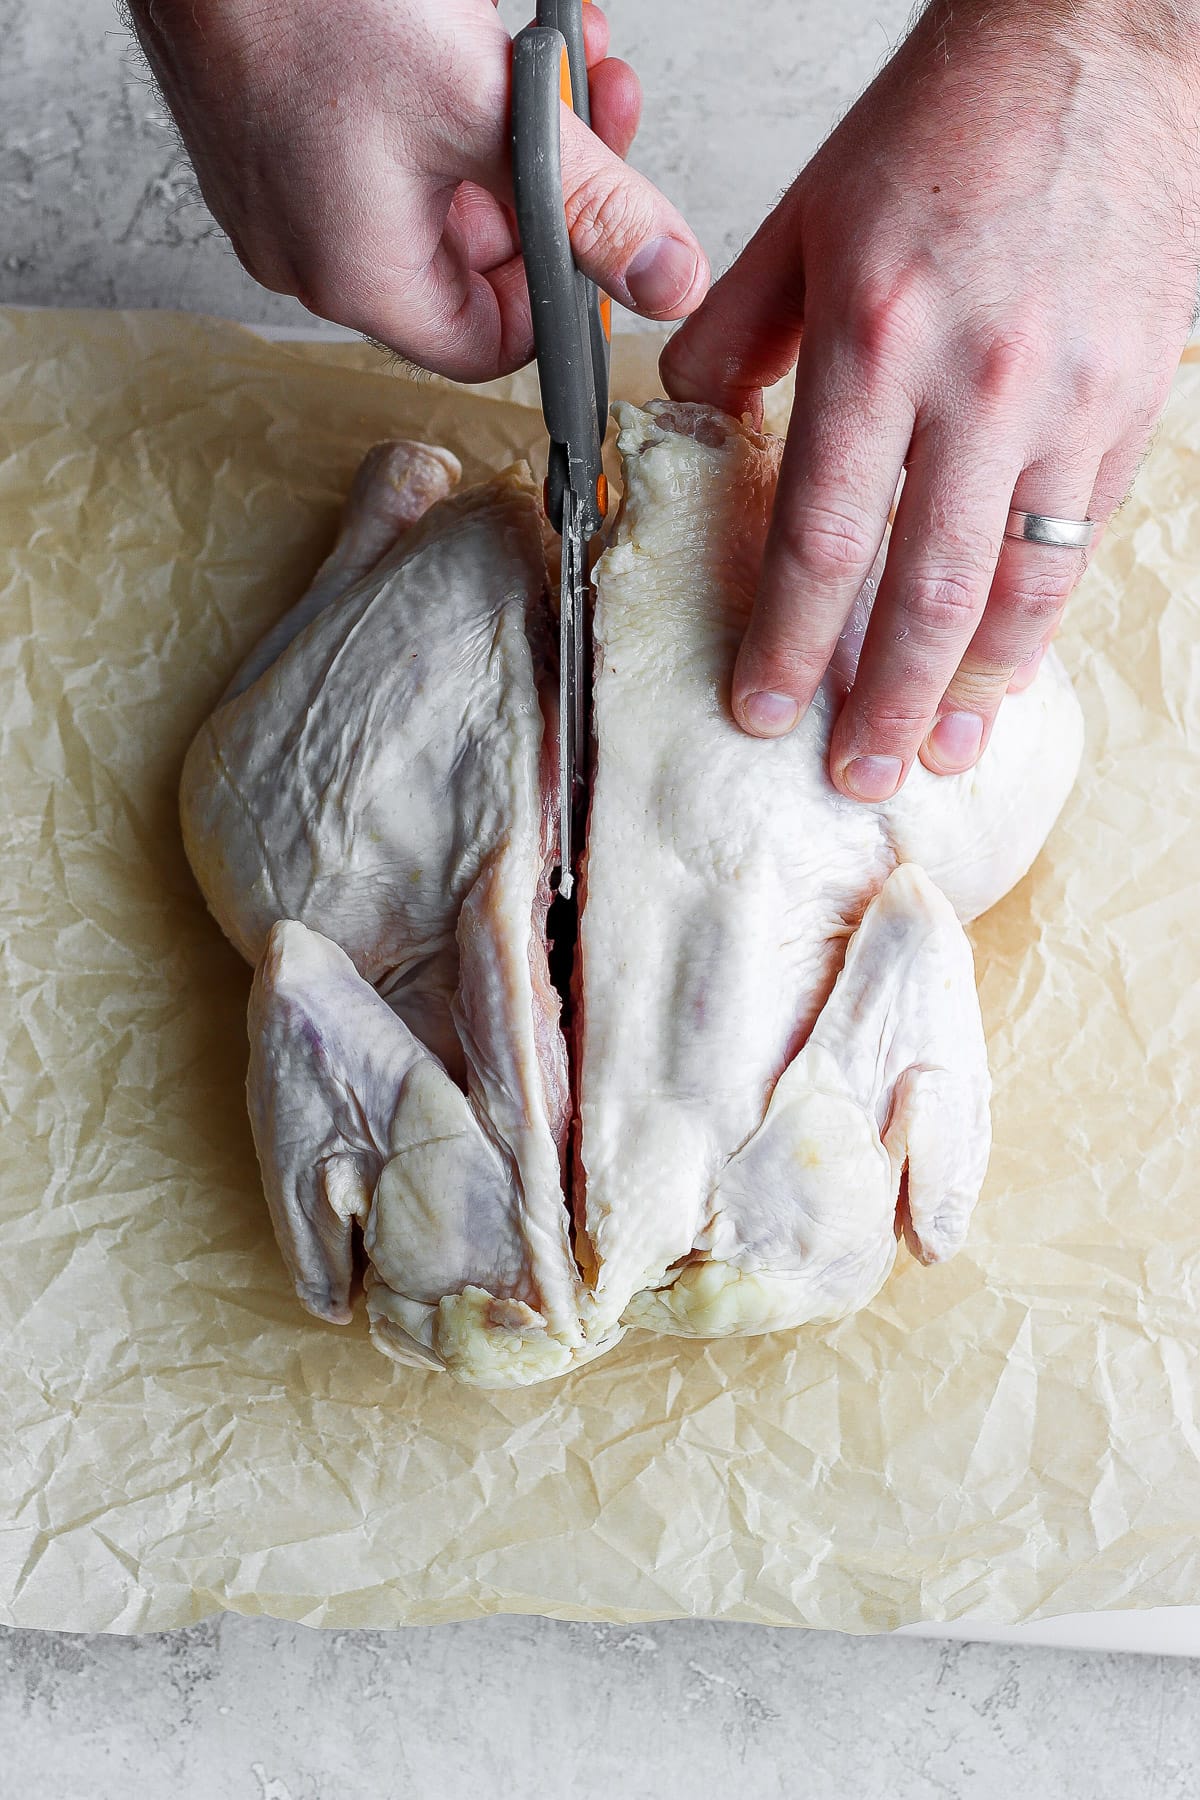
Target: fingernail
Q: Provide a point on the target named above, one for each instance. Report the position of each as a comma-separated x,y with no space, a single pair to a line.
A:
873,777
954,741
661,274
767,714
1024,673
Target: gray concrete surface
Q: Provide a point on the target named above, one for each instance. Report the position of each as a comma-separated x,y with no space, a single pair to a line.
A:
250,1710
97,208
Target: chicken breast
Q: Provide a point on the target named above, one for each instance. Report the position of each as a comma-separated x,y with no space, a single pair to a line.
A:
746,1111
775,1020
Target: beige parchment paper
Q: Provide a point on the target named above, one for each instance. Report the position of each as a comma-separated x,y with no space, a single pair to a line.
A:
1015,1433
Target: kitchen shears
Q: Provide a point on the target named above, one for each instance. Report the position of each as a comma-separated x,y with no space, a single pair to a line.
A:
571,329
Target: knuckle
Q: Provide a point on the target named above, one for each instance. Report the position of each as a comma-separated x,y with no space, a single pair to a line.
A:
602,217
1038,598
887,724
1008,360
943,602
351,290
886,317
1096,376
339,290
829,545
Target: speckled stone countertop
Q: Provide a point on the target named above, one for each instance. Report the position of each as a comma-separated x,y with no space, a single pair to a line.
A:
250,1710
98,209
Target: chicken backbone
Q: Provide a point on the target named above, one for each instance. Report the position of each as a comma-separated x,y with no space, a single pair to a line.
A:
772,1057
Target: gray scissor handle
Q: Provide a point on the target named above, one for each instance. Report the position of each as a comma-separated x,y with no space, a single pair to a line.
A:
574,397
567,16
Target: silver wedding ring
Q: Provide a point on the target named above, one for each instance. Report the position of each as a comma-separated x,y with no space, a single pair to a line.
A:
1059,534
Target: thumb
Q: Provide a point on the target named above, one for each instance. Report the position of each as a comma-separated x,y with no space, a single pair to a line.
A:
625,235
746,335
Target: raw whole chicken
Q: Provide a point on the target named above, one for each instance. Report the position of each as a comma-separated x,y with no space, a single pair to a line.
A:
774,1035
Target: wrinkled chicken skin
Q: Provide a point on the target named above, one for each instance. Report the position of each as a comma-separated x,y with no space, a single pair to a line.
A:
800,1223
741,1174
458,1194
384,785
776,1020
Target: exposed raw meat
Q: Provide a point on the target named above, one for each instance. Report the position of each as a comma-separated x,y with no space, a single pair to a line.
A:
776,1012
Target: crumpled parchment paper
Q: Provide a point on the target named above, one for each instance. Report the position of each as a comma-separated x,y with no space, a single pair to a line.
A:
1014,1433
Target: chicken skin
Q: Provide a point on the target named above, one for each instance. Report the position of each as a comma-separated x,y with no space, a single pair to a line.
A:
775,1036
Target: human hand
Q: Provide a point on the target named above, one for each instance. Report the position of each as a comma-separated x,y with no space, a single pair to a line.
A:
985,278
358,157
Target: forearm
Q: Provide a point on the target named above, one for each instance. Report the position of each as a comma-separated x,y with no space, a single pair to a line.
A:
1167,32
1064,72
231,48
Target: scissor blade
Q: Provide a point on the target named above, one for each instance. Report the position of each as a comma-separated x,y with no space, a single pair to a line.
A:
568,692
579,734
